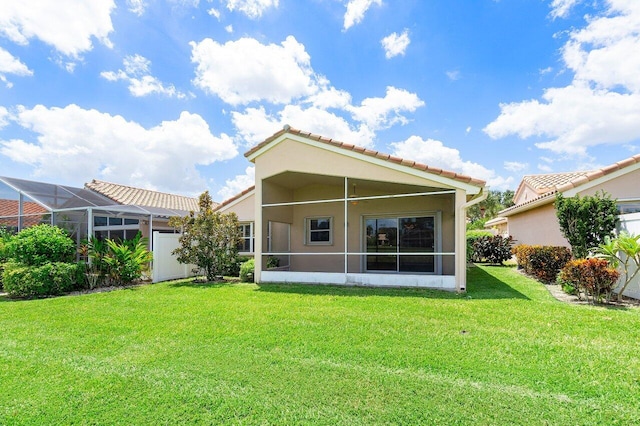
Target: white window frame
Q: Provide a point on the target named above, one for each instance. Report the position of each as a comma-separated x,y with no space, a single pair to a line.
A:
251,237
308,231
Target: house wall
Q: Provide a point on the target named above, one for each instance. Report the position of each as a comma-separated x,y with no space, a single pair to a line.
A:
537,226
625,186
244,208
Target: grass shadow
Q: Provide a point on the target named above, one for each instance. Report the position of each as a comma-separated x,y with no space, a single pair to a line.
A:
482,285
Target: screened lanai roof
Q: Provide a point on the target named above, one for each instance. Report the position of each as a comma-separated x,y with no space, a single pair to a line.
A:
55,197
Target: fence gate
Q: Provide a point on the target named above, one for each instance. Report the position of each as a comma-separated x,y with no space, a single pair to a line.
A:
165,264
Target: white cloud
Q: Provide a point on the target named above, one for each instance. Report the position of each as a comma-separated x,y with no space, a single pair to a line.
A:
245,70
545,168
602,103
12,65
67,25
382,113
137,7
252,8
74,143
4,117
229,28
561,8
515,166
356,10
238,184
254,124
434,153
453,75
141,82
395,44
214,12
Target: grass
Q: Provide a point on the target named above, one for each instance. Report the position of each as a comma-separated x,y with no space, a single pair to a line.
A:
182,353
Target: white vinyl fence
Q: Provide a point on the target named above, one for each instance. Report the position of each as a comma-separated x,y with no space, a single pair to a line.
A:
631,224
165,265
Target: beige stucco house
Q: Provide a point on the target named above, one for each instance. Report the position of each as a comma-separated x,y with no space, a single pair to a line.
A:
533,220
335,213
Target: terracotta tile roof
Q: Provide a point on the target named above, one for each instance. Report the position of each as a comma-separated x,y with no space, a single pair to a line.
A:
547,182
580,179
371,153
10,208
235,197
129,195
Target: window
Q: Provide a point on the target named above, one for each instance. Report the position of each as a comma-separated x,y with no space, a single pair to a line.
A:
396,244
246,235
319,230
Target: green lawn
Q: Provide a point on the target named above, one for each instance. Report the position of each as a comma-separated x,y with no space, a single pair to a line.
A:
504,353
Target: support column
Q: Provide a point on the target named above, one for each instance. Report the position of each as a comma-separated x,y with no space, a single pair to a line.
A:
461,241
259,230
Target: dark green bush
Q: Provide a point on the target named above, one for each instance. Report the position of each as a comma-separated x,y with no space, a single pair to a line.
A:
472,236
493,249
41,244
595,278
46,280
542,262
247,270
5,237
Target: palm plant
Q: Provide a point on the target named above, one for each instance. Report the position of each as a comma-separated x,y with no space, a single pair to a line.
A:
623,250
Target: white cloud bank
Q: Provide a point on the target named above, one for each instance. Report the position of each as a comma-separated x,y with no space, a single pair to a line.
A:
395,44
141,83
9,64
238,184
74,143
66,25
434,153
602,103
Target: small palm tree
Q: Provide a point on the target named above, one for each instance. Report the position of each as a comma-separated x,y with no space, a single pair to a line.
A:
623,250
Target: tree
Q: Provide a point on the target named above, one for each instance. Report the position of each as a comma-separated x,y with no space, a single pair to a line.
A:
209,239
586,221
487,209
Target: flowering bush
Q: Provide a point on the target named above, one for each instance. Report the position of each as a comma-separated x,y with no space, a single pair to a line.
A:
593,277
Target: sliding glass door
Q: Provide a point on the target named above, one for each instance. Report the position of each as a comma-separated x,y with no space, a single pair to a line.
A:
395,244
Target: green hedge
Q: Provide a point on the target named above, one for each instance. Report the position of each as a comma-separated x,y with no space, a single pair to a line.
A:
47,280
472,236
41,244
247,269
542,262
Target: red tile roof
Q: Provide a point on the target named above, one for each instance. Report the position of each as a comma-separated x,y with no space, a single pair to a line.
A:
128,195
580,178
9,208
371,153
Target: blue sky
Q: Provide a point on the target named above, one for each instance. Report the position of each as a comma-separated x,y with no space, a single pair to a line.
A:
169,94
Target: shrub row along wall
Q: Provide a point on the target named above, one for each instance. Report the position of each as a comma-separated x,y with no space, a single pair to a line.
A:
542,262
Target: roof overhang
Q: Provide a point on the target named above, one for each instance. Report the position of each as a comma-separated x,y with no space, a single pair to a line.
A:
469,188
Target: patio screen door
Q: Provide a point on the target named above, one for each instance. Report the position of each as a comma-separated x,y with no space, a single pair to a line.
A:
389,237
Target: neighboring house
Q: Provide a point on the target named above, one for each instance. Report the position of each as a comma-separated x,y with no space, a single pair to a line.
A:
498,226
161,205
532,220
102,209
335,213
243,205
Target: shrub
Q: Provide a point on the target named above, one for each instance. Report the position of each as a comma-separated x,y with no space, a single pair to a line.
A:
5,237
46,280
593,277
127,260
247,269
542,262
472,236
493,249
41,244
